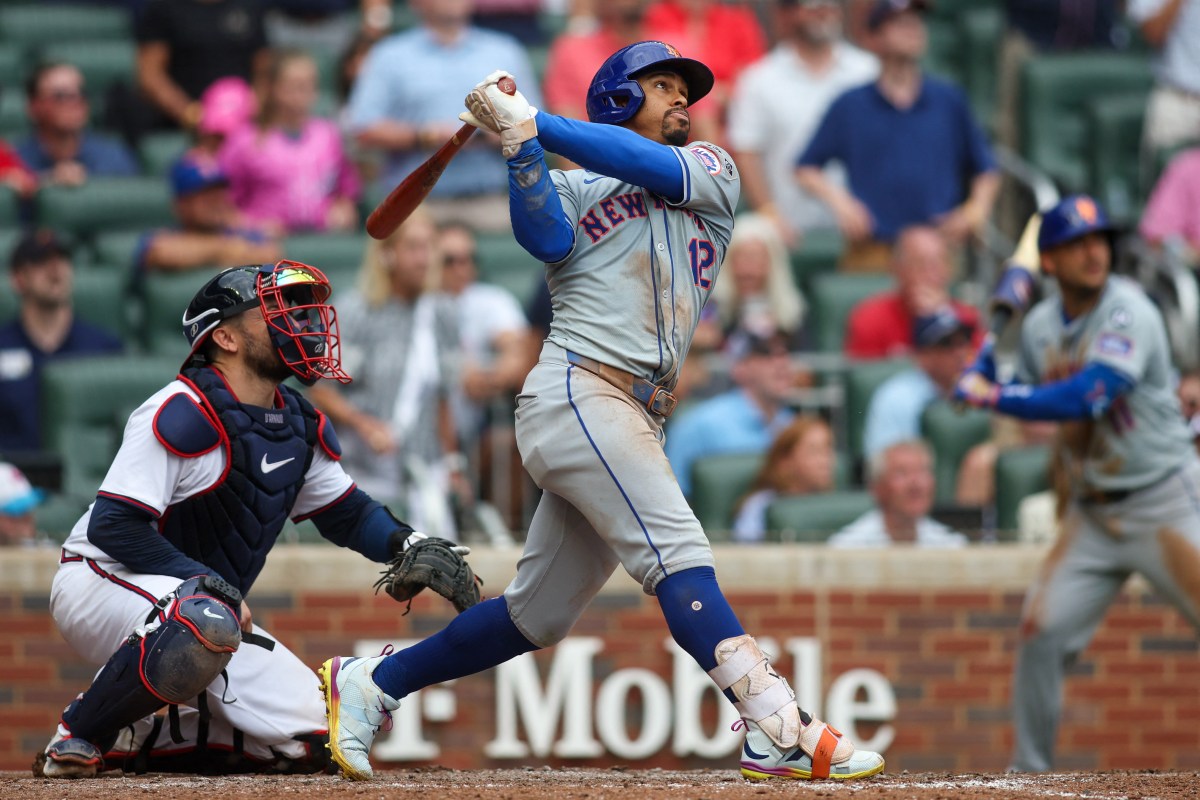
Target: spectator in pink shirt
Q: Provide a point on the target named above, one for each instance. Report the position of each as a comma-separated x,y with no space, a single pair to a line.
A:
290,172
575,57
1174,208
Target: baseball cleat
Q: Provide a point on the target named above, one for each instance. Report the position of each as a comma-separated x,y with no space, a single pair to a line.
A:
69,758
762,759
356,708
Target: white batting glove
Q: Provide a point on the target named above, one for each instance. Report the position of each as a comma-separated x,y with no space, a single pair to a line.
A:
417,536
511,116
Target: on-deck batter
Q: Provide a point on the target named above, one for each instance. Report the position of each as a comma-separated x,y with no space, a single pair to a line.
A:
632,245
1096,358
210,469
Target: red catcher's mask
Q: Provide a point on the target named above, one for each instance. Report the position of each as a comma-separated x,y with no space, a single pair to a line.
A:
303,327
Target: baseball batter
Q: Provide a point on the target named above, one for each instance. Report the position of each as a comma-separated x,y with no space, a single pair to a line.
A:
153,576
1096,358
632,244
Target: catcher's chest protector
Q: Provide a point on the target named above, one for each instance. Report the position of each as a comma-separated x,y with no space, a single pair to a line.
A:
232,526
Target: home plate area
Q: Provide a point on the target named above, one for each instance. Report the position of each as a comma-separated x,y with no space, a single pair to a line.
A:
603,784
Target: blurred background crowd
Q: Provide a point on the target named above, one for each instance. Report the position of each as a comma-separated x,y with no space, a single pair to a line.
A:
890,151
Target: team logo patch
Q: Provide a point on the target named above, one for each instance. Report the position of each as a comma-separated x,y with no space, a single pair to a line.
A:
710,160
1086,209
1114,344
1120,317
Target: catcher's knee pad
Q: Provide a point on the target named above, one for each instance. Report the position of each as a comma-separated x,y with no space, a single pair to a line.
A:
761,694
169,664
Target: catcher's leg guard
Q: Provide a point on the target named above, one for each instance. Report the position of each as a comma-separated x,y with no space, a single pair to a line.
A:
171,663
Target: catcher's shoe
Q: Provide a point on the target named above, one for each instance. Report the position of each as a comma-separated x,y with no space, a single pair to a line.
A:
356,708
823,753
69,758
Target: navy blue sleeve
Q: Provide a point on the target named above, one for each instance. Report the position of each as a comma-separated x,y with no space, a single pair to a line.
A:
360,523
616,152
126,533
1085,395
824,144
539,223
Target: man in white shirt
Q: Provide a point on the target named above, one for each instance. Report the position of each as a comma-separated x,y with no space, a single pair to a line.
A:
780,99
901,478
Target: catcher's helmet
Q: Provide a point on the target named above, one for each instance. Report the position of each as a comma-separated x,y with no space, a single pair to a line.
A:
1074,217
292,298
615,96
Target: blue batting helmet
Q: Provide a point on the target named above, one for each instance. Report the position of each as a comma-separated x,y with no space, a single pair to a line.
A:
1074,217
615,96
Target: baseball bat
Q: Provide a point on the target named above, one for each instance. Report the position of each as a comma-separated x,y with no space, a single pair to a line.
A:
1011,295
401,201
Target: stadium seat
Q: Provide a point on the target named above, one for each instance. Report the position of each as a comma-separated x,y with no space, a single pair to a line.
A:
85,402
831,300
814,517
115,250
1020,472
13,123
36,25
9,215
952,433
981,30
862,379
58,514
166,297
101,298
338,255
1055,92
1114,158
106,204
505,263
12,65
103,62
817,254
718,484
159,150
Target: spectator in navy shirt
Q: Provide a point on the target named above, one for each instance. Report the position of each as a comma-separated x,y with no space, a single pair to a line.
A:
913,153
60,148
46,329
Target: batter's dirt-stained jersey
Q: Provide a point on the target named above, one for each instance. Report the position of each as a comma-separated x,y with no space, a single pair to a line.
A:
1142,436
145,473
630,292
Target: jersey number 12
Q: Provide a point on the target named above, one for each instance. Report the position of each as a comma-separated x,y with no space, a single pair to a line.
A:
703,254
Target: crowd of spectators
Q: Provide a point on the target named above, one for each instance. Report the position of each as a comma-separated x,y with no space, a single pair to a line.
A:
297,115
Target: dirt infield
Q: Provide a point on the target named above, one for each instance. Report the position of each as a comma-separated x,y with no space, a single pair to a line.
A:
610,784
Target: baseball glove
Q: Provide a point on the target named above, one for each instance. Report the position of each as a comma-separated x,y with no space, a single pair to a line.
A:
435,563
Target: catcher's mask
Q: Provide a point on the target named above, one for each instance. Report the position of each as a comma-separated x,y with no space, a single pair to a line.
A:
291,296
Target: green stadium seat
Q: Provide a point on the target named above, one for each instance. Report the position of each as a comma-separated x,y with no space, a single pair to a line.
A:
36,25
505,263
952,433
338,255
1114,158
814,517
944,55
13,123
158,151
718,484
106,204
85,402
817,254
1056,90
12,66
103,62
831,299
861,381
102,298
9,215
165,298
1020,472
981,29
58,514
115,250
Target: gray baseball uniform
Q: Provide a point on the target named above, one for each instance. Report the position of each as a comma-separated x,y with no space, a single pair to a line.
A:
628,295
1134,505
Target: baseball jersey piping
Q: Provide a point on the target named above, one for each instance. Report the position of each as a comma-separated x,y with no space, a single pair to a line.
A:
611,474
108,576
670,254
658,320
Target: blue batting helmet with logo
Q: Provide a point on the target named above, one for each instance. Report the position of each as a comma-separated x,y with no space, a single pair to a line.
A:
1074,217
615,96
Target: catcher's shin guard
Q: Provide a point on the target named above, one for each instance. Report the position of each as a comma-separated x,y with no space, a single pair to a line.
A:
761,694
169,664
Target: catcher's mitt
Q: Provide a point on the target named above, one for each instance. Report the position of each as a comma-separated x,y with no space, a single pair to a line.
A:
435,563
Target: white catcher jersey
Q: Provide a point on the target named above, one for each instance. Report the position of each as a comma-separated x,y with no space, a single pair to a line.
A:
146,473
634,304
1142,437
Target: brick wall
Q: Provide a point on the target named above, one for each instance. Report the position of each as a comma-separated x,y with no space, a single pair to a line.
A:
945,646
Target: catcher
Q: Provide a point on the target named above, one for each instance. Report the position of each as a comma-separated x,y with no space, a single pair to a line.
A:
153,577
